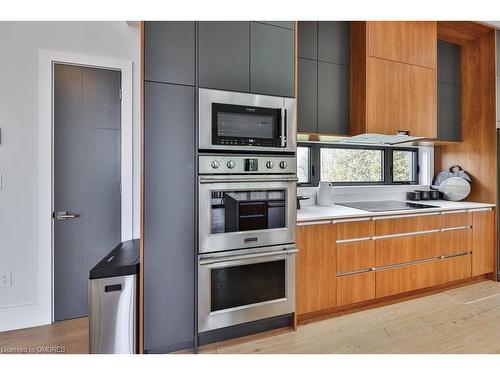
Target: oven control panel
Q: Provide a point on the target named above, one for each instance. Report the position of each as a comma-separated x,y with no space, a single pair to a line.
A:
238,164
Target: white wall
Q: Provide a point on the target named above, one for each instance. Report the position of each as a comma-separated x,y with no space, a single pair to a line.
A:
20,43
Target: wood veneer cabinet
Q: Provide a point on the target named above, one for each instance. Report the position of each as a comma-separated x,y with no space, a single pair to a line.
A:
385,256
393,78
483,243
409,224
355,256
355,288
316,268
457,219
410,42
421,275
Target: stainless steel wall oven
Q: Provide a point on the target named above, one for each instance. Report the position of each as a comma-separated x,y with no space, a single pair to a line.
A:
247,218
246,202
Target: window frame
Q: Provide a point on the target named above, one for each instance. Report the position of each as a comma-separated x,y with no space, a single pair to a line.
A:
314,167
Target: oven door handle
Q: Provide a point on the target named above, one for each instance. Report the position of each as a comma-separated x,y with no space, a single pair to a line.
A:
205,180
223,259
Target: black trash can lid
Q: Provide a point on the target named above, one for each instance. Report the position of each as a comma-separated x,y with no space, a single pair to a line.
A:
121,261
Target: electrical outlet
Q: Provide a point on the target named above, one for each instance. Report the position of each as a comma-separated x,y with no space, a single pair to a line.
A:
6,278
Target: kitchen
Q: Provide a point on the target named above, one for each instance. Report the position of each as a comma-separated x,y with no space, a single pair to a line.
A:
311,186
380,109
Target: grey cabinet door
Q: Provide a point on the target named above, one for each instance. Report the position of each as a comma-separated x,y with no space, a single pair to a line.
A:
169,52
333,41
271,60
224,55
449,62
307,39
307,96
333,98
449,112
169,221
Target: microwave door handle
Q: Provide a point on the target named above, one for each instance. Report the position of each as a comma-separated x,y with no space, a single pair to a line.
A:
283,127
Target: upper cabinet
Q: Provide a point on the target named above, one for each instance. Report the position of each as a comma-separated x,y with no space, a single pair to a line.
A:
449,91
271,60
323,77
409,42
169,52
245,56
308,40
224,55
333,42
393,78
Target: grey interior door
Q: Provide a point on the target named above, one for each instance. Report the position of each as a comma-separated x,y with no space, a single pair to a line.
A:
87,177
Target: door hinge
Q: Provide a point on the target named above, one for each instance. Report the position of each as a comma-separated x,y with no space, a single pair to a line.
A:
121,94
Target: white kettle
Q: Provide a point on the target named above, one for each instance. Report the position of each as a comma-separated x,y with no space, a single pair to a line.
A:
323,193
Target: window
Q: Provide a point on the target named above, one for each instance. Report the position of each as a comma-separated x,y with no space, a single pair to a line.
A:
346,165
356,165
303,165
403,166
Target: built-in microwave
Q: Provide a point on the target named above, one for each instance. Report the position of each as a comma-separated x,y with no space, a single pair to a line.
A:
246,122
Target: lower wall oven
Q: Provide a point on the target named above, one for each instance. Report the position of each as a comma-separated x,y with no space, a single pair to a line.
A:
245,286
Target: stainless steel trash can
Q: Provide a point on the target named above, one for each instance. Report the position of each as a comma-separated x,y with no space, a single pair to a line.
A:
113,301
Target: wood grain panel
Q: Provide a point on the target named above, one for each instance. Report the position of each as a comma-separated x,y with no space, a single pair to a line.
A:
404,279
483,246
455,242
458,219
422,101
477,152
316,261
355,288
410,42
421,275
388,96
452,269
460,32
408,224
406,249
355,229
357,77
355,256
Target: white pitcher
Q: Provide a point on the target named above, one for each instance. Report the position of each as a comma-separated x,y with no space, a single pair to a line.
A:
323,193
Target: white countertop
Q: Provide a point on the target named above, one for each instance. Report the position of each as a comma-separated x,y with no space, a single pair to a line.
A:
333,212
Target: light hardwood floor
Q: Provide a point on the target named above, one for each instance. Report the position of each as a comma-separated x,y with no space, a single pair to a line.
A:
462,320
72,335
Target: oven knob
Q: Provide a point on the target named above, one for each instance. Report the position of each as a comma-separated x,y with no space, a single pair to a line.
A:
230,164
215,164
283,165
270,165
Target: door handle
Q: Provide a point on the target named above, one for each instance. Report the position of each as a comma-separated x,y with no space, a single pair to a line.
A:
64,215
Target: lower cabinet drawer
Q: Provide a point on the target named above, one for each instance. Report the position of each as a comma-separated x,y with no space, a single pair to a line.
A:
422,275
410,224
355,288
455,268
406,249
355,229
455,242
457,219
355,256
